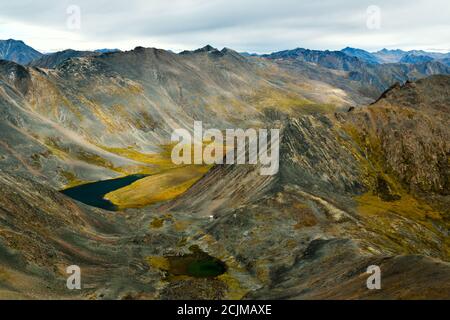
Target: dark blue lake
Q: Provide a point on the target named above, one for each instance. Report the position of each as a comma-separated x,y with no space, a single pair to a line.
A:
92,193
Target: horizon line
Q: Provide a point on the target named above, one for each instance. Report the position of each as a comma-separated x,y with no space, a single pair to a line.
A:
389,48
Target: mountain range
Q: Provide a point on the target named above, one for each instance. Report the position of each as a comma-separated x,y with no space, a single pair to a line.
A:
18,51
364,175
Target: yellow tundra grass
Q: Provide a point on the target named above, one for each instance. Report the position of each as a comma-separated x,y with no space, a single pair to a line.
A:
157,188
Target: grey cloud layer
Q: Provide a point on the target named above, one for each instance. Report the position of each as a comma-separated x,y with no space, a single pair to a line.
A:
245,25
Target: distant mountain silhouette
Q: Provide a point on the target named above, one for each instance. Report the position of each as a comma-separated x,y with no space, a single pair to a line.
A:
17,51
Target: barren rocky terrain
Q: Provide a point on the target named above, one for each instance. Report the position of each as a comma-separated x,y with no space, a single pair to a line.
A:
363,180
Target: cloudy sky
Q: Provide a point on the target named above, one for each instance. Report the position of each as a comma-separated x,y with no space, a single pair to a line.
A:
244,25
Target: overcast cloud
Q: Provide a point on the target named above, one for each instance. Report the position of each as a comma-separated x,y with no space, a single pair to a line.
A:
246,25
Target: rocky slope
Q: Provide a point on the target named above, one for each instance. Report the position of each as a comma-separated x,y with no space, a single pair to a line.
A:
367,186
140,97
354,189
51,60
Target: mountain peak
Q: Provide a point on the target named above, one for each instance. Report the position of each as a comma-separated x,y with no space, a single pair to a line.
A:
398,51
361,54
17,51
415,58
13,40
207,48
144,50
52,60
427,93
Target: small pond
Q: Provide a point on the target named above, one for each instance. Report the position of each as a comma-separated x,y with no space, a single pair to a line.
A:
198,264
